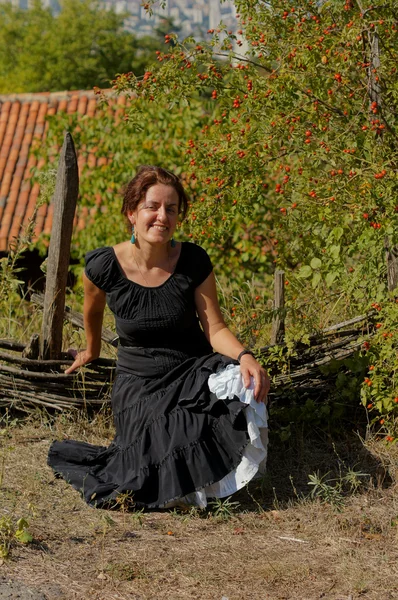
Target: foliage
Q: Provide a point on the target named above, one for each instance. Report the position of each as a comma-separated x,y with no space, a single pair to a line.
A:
11,532
332,490
119,150
82,46
301,144
312,405
295,114
380,387
223,509
285,134
15,314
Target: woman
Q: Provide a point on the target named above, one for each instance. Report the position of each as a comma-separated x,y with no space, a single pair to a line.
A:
176,441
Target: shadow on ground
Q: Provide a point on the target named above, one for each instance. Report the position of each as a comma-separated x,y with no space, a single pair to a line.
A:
340,461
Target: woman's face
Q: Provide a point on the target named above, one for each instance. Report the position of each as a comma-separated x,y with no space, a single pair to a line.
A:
155,217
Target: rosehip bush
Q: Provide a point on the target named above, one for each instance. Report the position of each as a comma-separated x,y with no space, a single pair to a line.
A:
380,386
293,159
300,150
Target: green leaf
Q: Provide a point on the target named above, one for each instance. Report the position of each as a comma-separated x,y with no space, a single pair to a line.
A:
330,278
334,251
316,263
22,523
379,405
338,233
316,279
305,271
23,536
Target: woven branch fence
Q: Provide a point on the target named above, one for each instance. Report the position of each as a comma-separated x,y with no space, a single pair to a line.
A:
26,382
31,375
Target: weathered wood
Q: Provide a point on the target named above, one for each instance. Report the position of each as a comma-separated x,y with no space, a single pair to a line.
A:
76,318
32,350
12,345
278,322
17,391
36,375
344,324
64,201
23,389
31,385
52,398
323,336
309,369
49,401
392,264
22,360
335,334
327,346
45,395
14,382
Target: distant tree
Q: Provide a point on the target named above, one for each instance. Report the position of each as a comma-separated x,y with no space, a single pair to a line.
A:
82,46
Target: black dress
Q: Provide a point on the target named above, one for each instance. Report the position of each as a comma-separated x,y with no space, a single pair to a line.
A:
173,436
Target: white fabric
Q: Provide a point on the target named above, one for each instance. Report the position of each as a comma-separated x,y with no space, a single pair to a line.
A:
228,383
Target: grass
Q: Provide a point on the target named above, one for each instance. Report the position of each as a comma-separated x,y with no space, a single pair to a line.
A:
276,543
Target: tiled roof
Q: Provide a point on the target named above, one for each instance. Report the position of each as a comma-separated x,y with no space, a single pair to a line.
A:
22,123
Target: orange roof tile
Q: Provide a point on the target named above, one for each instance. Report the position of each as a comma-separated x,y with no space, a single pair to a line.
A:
22,123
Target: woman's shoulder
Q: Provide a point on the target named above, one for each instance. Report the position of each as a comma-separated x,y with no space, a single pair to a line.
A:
195,262
193,250
100,264
102,253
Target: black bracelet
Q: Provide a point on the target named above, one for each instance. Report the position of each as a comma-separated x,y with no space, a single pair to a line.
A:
243,353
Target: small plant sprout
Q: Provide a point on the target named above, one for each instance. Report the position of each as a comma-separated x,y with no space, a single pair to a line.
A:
331,490
223,509
137,517
328,491
11,532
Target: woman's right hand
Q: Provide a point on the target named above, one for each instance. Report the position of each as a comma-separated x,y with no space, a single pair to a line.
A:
81,358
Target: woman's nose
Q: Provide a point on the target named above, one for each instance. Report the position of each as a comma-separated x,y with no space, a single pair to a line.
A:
162,214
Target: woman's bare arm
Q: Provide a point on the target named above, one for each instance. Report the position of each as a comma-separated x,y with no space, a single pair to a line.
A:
93,314
224,341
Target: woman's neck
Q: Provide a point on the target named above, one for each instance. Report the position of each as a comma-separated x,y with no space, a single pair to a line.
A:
150,256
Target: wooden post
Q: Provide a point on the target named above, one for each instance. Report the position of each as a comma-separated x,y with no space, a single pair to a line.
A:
64,201
278,322
392,265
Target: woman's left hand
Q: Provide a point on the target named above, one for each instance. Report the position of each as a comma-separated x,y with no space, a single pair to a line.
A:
251,368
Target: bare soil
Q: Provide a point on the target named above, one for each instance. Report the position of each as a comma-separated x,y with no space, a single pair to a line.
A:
276,545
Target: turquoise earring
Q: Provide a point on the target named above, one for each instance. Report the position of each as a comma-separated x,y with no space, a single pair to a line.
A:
132,240
173,243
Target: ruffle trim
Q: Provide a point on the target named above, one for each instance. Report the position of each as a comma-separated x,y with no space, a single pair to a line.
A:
228,383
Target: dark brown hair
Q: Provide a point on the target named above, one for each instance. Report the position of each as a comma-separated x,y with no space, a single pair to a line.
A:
146,177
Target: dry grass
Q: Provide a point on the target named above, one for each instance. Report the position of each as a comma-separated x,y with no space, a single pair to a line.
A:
278,545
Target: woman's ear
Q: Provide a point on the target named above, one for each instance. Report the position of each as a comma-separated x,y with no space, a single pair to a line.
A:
131,217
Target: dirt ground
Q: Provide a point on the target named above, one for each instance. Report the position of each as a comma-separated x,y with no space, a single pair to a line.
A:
277,544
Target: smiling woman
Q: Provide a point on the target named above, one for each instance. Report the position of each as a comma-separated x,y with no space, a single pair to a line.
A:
157,212
188,399
153,221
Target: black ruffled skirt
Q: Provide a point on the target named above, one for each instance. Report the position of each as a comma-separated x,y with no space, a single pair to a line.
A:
173,437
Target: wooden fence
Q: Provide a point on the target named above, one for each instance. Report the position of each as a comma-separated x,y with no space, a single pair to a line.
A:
32,373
